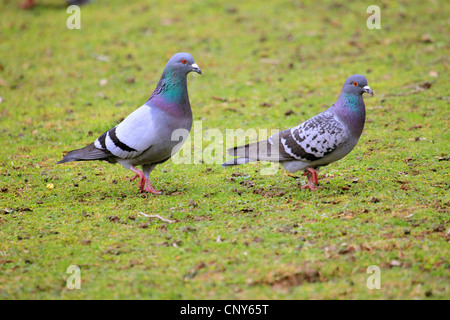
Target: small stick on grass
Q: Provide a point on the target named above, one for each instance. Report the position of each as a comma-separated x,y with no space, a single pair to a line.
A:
157,216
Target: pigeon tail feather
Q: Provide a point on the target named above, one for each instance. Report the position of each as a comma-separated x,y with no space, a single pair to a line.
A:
236,162
256,151
87,153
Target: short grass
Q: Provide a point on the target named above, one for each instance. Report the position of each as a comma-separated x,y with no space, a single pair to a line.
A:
238,234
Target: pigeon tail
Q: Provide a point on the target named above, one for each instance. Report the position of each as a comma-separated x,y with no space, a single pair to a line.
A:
266,150
236,162
87,153
77,2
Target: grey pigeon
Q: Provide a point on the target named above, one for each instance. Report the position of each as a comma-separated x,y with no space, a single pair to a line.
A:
144,138
317,142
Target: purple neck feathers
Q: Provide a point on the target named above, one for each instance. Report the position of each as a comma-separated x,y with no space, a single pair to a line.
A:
351,109
171,95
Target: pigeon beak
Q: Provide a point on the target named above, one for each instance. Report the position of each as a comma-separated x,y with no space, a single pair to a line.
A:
196,68
367,89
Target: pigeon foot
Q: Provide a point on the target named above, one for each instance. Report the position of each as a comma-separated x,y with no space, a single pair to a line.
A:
310,187
150,189
141,178
313,179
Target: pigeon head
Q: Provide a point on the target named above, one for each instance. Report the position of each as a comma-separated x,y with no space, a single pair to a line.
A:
356,85
350,104
181,64
171,91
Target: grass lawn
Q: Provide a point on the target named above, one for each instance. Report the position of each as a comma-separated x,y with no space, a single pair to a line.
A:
237,234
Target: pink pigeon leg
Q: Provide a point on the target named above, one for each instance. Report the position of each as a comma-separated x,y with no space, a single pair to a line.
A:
312,179
315,175
27,4
141,178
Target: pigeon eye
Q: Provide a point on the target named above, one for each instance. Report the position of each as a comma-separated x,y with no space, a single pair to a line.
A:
355,84
183,61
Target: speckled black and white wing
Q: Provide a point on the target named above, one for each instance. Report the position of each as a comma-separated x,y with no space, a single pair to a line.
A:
313,139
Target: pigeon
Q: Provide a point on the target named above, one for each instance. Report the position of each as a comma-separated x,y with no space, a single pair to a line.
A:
144,138
317,142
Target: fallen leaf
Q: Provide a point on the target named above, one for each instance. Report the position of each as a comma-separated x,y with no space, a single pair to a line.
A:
395,263
114,218
426,38
289,112
433,74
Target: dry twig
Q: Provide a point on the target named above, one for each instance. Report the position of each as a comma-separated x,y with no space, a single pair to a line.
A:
157,216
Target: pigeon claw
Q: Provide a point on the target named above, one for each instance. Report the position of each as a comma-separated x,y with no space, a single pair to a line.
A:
310,187
151,190
313,179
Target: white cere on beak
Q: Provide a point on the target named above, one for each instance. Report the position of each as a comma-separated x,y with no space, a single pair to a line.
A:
367,89
194,65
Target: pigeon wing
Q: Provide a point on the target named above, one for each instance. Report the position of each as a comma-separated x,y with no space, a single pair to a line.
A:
313,139
131,137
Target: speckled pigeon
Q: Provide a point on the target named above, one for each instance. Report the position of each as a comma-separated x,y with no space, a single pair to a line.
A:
317,142
144,138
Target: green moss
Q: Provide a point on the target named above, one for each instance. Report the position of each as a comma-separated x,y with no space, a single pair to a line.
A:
231,239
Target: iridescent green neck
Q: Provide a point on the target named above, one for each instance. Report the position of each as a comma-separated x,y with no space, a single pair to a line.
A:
172,87
352,101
